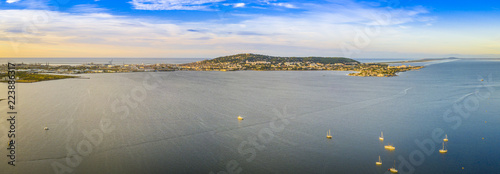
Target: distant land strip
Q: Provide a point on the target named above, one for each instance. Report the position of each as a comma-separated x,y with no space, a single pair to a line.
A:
28,73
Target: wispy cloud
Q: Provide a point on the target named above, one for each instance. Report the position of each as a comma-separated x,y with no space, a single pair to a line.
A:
12,1
173,4
318,29
87,8
275,3
237,5
203,4
286,5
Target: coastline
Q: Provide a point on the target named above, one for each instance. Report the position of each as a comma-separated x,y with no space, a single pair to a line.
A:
30,73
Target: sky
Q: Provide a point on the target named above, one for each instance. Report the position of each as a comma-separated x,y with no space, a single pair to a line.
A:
212,28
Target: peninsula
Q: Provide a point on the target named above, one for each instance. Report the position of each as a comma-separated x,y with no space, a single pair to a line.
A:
254,62
26,77
259,62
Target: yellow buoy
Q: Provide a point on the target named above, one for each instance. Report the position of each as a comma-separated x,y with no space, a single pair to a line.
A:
240,118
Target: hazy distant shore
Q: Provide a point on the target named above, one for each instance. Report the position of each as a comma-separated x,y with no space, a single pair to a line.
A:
417,61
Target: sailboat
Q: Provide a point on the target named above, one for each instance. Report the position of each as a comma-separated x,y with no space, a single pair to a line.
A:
240,118
393,169
381,138
390,147
443,150
445,138
379,162
328,134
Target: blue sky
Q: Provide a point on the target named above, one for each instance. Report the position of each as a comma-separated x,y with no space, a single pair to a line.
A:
211,28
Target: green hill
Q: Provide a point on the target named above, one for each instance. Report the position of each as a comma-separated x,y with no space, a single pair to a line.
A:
242,58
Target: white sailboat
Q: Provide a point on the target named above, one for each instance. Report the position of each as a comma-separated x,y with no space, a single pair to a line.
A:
328,134
379,162
393,169
390,147
381,138
443,150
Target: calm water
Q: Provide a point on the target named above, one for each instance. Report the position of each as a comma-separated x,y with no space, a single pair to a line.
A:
188,123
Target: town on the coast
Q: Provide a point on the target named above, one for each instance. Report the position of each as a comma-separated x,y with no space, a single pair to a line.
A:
35,72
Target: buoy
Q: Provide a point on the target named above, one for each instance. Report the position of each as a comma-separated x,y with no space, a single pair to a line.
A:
462,168
45,128
483,138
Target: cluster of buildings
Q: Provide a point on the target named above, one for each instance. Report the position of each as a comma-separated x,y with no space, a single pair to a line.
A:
373,69
265,65
36,68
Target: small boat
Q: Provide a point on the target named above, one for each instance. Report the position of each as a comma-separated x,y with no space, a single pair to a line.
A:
443,150
379,162
393,169
46,128
390,147
381,138
240,118
328,134
445,138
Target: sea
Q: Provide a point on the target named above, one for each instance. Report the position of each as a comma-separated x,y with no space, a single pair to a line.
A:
186,122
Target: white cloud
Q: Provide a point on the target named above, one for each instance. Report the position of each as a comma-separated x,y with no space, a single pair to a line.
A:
173,4
239,5
235,5
12,1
